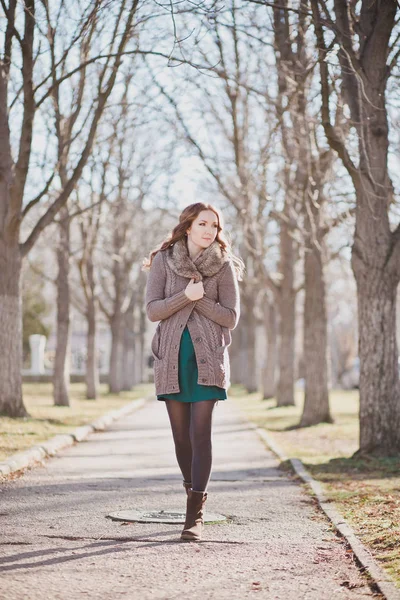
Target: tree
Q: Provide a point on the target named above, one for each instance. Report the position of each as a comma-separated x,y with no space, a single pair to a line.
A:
139,158
367,53
89,229
26,47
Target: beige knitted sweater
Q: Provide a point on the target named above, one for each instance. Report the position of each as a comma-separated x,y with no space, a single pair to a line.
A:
209,319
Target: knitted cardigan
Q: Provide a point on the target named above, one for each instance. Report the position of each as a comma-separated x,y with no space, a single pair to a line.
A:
209,319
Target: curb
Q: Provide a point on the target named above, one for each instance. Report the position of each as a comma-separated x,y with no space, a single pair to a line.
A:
361,552
36,454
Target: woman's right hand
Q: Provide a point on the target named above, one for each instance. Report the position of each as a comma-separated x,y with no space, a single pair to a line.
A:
194,291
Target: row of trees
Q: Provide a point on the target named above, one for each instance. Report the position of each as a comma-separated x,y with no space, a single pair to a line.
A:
285,109
319,111
64,67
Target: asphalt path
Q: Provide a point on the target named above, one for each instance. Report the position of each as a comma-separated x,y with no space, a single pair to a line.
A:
56,542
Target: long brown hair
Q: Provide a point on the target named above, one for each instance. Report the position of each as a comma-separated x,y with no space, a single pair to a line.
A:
186,218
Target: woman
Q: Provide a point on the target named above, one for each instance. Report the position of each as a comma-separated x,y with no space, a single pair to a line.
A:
193,291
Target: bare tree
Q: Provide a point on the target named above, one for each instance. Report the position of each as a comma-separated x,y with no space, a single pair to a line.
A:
305,213
66,119
367,46
234,151
34,96
89,228
134,329
139,159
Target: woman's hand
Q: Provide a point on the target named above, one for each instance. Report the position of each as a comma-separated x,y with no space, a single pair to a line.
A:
194,291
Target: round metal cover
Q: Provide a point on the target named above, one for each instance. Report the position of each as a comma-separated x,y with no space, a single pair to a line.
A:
160,516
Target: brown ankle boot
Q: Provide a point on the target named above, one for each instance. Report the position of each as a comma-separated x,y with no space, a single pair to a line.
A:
187,485
193,528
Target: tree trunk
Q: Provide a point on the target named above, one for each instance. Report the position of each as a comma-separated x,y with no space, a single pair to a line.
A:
316,398
128,359
375,261
376,248
270,363
237,355
141,345
11,403
379,378
61,376
138,351
92,371
287,302
250,372
114,377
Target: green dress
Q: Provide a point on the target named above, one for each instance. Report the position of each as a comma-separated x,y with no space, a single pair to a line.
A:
190,390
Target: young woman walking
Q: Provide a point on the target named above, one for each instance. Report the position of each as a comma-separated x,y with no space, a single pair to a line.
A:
193,291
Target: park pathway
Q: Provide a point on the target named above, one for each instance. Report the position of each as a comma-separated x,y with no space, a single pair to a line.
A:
55,542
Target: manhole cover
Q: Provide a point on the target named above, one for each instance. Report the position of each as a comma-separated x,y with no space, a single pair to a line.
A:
160,516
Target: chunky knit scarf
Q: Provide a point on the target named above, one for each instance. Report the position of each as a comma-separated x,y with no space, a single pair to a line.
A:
207,263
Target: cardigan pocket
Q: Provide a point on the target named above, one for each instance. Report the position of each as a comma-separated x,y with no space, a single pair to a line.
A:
226,342
157,374
227,336
155,343
220,351
222,366
221,337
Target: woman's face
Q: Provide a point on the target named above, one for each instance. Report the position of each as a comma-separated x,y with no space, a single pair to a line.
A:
204,229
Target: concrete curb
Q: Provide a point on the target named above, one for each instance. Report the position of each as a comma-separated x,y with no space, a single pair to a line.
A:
36,454
361,552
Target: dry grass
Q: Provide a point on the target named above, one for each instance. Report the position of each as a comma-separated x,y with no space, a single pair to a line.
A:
47,420
366,491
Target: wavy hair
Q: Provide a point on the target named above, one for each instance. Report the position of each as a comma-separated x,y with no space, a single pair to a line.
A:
186,218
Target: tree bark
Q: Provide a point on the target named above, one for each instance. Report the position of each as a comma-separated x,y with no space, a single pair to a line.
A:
11,403
61,375
270,363
379,380
316,397
375,261
287,305
92,371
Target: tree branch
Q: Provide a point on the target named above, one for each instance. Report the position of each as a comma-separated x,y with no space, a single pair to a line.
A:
48,217
44,191
331,133
114,55
25,143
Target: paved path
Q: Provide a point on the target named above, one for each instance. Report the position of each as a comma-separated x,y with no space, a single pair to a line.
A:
55,542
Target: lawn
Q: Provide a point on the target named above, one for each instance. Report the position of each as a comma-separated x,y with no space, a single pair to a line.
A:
47,420
366,491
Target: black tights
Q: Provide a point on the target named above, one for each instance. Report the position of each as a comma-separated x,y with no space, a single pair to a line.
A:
191,429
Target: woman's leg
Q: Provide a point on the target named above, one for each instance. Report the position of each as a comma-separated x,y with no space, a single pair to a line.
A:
179,416
200,435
